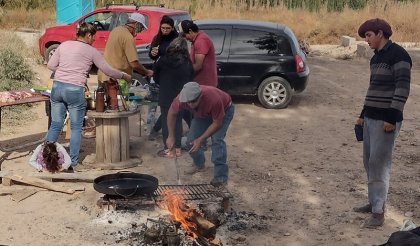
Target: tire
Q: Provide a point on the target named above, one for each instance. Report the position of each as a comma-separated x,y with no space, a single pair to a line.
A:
50,51
275,92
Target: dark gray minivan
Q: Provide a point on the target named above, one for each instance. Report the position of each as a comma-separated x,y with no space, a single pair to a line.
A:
256,58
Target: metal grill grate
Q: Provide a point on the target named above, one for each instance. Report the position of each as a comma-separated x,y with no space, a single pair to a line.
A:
193,192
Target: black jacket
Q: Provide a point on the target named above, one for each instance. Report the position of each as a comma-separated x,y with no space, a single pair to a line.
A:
171,73
163,44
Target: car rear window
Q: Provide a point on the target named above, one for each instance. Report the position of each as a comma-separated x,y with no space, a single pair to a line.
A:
254,42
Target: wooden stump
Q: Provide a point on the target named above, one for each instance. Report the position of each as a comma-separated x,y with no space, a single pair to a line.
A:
112,137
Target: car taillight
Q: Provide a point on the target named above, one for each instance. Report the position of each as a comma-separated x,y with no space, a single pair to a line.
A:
300,65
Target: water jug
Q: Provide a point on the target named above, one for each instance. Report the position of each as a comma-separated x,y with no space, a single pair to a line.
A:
100,99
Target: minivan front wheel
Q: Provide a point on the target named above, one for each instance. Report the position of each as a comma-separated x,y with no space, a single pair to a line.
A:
275,92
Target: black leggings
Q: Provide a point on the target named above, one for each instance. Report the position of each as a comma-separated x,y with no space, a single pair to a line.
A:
186,115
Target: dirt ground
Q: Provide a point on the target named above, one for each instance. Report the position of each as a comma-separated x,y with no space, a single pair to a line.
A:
300,167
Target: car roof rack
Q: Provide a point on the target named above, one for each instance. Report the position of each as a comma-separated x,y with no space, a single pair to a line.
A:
161,5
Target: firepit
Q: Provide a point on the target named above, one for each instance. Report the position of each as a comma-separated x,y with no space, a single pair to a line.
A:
194,214
194,192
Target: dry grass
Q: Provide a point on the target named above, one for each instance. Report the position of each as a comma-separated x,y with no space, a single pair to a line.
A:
18,18
321,27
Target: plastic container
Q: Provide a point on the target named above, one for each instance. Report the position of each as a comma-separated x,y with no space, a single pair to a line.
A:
408,225
151,117
123,87
67,11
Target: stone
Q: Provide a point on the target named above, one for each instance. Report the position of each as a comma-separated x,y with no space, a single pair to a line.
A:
347,41
363,50
409,214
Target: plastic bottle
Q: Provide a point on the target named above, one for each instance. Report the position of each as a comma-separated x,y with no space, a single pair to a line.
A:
151,118
100,99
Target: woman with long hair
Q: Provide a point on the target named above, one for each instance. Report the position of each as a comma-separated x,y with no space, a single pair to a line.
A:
171,72
71,63
51,157
163,38
167,33
160,43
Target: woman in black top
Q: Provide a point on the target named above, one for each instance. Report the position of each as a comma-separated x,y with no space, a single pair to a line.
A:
163,38
171,72
159,45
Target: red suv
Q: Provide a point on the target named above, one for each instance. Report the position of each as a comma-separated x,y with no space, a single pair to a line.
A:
106,19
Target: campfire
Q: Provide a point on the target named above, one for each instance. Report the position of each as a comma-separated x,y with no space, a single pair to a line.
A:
188,215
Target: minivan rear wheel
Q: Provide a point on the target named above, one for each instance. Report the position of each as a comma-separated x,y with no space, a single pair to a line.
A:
50,51
275,92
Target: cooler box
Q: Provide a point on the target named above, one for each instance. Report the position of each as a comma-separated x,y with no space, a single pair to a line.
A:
70,10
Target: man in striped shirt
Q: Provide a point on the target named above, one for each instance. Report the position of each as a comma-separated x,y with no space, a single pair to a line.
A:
382,113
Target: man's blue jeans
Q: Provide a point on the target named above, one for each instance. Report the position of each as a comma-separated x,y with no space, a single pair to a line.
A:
378,147
67,97
218,147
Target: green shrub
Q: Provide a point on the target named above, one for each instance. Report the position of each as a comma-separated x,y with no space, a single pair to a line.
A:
335,5
15,73
14,67
293,4
357,4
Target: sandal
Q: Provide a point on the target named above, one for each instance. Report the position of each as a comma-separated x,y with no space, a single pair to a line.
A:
165,153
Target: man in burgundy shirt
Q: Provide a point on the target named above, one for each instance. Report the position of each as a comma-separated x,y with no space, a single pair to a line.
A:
213,111
202,54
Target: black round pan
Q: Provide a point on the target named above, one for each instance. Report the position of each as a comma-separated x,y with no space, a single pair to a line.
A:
126,184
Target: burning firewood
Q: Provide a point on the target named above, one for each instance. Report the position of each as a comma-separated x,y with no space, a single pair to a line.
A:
204,227
191,220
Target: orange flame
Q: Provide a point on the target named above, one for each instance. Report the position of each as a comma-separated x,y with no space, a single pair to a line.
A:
180,211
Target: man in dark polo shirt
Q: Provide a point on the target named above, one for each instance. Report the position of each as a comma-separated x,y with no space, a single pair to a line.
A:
382,114
213,111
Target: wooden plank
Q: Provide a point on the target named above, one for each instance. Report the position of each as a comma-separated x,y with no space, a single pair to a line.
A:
41,183
114,132
6,181
125,139
100,143
4,173
111,115
4,191
107,140
120,165
22,195
67,177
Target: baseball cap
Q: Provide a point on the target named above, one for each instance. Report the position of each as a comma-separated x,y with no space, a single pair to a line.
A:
190,92
138,18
